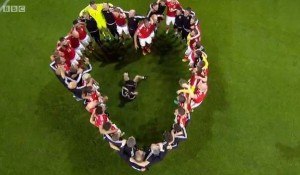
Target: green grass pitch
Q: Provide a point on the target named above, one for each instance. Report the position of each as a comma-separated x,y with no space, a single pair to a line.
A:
248,124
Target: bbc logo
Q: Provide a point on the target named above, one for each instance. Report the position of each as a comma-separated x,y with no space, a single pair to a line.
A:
14,9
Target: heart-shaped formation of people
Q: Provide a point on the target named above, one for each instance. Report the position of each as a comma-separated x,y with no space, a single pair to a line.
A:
72,68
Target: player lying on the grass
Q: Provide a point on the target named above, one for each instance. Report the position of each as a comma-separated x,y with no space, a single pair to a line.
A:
129,88
155,154
176,135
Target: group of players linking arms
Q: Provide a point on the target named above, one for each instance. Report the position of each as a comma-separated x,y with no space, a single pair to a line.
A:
73,69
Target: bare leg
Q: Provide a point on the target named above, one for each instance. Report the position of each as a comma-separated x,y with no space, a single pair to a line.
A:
138,78
126,76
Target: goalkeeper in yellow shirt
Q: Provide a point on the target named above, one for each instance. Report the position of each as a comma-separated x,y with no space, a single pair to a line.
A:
95,10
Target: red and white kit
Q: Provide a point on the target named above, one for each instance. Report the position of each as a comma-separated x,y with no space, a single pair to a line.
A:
171,11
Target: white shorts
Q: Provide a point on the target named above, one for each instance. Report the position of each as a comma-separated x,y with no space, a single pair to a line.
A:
122,29
74,61
170,20
195,105
86,41
79,49
143,41
188,51
152,34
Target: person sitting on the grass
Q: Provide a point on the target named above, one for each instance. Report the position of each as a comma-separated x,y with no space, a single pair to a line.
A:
155,154
176,135
129,88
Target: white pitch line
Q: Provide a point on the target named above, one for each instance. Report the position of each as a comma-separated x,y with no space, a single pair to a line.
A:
3,5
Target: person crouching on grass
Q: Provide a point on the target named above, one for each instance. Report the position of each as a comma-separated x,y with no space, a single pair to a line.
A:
129,89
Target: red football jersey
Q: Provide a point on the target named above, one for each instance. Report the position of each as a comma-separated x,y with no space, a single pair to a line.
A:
182,119
200,96
144,32
171,8
120,20
101,119
74,42
82,32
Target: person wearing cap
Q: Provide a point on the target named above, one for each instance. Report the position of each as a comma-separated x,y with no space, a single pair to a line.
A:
129,88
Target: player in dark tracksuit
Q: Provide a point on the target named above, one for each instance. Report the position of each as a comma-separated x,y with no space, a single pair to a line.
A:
178,22
133,22
91,26
186,24
110,21
158,9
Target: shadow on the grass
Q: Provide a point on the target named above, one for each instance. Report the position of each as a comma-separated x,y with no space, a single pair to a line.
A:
289,152
86,152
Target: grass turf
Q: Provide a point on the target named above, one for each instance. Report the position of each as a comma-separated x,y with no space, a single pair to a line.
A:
249,123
